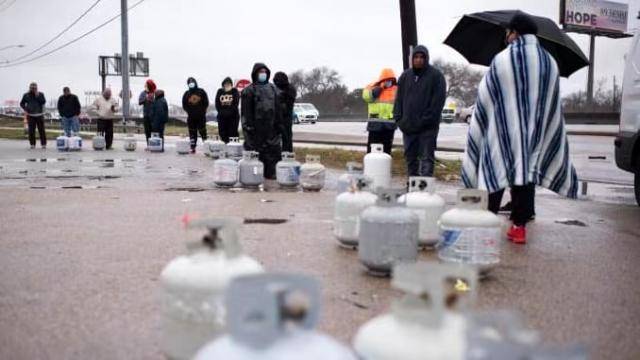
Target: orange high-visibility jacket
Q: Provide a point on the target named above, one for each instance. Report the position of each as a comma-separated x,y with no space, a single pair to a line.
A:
381,107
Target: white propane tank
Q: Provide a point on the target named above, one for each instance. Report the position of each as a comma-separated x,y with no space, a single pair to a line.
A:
214,147
345,181
98,142
428,205
388,234
234,149
75,142
288,170
470,234
312,174
155,143
420,327
183,146
225,171
193,286
377,166
62,143
130,143
251,169
348,207
272,317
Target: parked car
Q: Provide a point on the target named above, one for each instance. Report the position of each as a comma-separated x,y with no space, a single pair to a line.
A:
305,113
467,113
627,143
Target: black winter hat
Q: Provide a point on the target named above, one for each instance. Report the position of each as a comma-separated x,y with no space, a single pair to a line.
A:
523,24
227,80
280,79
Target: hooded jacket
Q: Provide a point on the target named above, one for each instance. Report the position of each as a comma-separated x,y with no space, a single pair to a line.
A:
69,106
261,119
32,103
159,111
227,102
420,98
381,100
287,96
195,102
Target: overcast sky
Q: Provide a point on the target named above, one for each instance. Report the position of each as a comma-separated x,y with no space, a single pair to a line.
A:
211,39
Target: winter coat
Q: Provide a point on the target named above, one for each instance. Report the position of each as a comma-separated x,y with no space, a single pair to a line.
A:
195,102
69,106
33,104
420,98
103,107
261,113
159,112
380,100
227,103
146,100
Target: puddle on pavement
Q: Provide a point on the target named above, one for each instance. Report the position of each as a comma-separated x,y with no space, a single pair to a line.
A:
186,189
266,221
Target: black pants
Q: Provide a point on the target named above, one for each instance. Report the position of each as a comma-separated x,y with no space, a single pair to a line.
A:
195,127
420,152
270,155
287,136
34,122
522,202
384,137
228,127
147,127
105,128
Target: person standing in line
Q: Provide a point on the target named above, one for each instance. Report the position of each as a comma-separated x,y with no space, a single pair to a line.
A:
159,114
195,102
105,106
146,101
33,105
227,101
381,96
69,109
418,111
287,97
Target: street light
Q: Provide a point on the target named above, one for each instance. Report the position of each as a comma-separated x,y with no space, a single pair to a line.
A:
11,46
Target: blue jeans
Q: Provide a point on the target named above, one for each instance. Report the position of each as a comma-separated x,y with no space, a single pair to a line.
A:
70,124
419,152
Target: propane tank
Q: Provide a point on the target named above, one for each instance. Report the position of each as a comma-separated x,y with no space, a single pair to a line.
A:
183,146
377,166
130,143
312,174
420,326
225,171
214,147
155,143
345,181
75,142
388,233
429,206
193,286
98,142
349,205
251,169
470,234
500,335
272,317
62,143
288,170
234,149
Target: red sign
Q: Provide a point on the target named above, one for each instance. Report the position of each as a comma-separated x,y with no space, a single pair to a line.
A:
241,84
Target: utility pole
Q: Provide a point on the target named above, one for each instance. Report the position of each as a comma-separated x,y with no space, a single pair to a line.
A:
125,59
409,31
592,52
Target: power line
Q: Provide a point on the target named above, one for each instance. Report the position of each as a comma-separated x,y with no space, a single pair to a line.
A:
72,41
8,6
57,36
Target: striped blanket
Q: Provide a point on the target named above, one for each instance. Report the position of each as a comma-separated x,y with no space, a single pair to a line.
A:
517,133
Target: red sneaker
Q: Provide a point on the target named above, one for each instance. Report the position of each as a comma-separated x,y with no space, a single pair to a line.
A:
517,234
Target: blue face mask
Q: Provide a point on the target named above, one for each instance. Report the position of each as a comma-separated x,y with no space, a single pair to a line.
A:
262,77
192,85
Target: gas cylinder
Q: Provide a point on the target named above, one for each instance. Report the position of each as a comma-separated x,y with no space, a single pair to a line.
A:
388,233
234,149
183,146
470,234
75,142
225,171
377,166
193,286
62,143
288,170
312,174
98,142
214,147
348,207
428,205
420,326
155,143
130,143
345,181
251,169
272,317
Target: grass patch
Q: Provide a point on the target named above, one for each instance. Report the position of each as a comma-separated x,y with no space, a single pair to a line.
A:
174,130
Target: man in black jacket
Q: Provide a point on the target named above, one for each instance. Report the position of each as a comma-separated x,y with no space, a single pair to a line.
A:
227,100
417,111
69,109
195,102
287,94
33,105
261,122
159,114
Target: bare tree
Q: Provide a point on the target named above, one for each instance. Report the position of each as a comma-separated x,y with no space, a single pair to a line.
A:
604,100
462,81
323,87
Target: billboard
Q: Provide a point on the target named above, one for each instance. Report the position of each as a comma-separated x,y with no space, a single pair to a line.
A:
601,15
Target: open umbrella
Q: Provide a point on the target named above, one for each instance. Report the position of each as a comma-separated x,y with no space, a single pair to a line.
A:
479,37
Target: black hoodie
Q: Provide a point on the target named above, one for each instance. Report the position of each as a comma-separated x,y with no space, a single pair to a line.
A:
195,102
227,102
159,111
261,121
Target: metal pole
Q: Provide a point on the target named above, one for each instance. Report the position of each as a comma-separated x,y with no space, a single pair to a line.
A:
408,28
104,82
591,68
125,59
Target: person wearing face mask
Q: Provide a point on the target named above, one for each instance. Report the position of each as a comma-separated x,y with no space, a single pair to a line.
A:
105,106
287,94
146,100
33,104
380,96
261,119
195,102
227,100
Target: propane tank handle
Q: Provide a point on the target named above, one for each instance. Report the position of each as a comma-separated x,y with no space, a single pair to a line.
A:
234,139
422,184
377,148
361,183
312,159
353,166
216,138
286,155
388,196
473,199
220,234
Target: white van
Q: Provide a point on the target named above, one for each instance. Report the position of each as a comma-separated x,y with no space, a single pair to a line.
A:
628,141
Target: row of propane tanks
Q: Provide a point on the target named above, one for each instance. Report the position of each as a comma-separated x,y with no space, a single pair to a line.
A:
218,303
